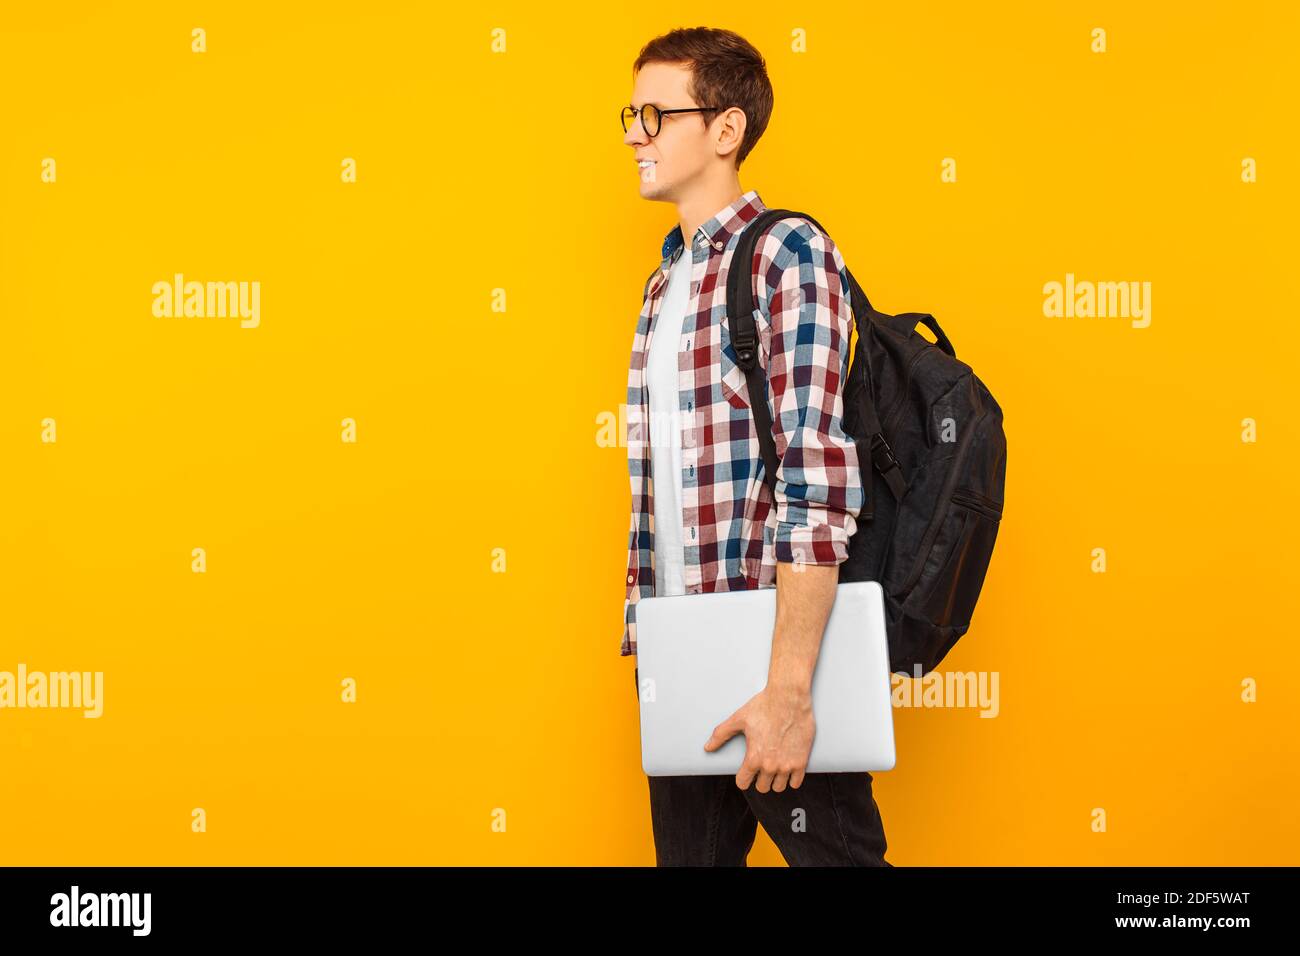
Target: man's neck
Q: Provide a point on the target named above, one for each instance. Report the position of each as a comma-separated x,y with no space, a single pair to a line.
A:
703,205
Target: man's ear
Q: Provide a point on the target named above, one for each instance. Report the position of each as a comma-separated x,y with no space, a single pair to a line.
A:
731,130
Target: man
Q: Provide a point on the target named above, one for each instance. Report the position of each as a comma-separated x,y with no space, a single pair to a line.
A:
700,101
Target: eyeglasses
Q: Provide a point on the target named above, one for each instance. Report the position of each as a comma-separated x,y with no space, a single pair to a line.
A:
652,116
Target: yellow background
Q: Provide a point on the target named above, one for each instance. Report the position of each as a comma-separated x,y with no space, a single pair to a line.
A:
477,429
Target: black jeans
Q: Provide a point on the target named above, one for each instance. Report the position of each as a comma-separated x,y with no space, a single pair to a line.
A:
706,820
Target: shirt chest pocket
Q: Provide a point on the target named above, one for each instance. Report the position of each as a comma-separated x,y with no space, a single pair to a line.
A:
735,388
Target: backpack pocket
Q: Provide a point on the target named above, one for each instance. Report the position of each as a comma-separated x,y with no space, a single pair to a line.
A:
945,581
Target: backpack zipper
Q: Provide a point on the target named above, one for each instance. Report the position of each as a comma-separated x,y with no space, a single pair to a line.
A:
886,425
977,502
947,493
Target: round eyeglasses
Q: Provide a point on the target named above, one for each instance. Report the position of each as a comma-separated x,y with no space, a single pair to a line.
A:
652,116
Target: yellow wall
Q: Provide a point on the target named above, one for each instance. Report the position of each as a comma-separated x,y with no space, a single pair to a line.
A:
477,429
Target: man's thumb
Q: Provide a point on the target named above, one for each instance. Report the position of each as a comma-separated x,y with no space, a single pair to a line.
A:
724,732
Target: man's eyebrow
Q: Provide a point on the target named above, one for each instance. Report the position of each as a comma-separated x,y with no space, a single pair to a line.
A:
646,103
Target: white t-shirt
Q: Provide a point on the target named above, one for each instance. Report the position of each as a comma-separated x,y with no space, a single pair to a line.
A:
666,421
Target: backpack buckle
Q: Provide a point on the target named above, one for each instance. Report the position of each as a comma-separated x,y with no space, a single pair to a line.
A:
882,454
744,344
890,468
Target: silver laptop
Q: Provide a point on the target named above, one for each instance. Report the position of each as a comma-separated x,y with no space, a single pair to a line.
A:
701,656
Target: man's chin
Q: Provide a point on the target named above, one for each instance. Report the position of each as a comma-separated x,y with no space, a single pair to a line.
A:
655,191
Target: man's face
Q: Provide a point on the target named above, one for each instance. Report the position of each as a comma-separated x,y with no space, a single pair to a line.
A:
681,151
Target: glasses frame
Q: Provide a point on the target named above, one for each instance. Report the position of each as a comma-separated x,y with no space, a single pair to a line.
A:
637,114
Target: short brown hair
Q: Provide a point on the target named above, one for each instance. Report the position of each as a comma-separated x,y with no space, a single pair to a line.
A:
726,71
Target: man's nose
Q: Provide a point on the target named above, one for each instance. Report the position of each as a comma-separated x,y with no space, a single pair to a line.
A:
635,135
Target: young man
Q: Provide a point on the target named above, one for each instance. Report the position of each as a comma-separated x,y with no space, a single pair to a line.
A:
700,101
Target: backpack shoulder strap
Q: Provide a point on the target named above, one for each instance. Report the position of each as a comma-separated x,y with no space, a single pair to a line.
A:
742,325
743,328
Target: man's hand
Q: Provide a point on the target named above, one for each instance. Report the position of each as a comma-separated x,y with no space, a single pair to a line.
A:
779,728
778,721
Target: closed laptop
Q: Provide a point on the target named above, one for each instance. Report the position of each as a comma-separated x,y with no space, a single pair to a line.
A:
700,657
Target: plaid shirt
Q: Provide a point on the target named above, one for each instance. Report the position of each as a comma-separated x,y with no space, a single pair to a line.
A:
733,536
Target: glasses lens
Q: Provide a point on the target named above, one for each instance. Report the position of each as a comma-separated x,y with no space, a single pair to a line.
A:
650,117
629,115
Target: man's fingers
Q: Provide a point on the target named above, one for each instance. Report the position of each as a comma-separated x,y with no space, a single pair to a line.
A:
746,775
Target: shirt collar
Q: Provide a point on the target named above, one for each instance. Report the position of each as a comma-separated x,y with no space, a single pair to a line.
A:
720,227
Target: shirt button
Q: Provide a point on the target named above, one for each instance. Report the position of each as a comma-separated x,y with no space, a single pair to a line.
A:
717,245
630,579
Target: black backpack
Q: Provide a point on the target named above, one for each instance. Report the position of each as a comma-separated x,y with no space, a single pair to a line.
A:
938,463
